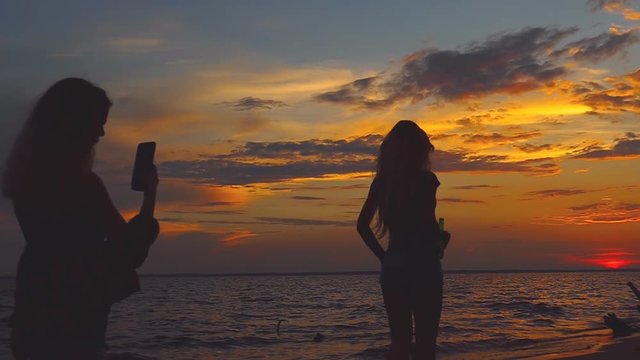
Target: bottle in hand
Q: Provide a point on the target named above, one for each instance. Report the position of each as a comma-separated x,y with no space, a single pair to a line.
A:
444,237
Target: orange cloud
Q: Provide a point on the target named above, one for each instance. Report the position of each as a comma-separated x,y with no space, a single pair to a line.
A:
234,237
605,212
616,6
621,94
177,228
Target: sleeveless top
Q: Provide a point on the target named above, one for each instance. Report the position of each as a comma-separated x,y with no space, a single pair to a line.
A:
413,221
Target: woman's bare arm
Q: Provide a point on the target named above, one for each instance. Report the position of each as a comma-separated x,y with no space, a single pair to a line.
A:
105,211
129,242
364,224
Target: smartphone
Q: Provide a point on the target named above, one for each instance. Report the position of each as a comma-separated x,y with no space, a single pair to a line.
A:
142,166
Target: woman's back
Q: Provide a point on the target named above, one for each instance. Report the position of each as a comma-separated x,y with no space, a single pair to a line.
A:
410,214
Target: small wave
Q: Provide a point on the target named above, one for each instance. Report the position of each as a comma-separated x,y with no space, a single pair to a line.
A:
250,299
372,353
347,327
171,342
485,344
540,308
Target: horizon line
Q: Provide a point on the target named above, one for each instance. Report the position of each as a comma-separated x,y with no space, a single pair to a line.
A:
374,272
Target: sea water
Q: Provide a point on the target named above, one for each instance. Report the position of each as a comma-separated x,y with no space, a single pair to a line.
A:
485,315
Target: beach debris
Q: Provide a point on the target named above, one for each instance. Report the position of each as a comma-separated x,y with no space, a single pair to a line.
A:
619,327
278,327
318,338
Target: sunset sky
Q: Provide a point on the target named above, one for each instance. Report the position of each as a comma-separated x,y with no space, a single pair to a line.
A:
268,116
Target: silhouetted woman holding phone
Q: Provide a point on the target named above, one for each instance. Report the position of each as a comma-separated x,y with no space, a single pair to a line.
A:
80,254
403,194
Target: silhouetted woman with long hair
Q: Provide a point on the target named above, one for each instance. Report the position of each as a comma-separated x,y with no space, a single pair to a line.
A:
403,194
80,254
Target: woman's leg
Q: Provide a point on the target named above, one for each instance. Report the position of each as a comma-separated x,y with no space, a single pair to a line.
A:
19,344
397,301
427,306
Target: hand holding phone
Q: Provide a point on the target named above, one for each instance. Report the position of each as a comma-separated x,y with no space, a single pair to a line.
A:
143,168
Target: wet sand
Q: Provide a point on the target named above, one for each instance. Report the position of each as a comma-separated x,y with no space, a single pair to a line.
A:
621,349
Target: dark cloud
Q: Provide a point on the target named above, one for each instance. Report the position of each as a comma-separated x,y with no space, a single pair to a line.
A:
478,121
282,161
623,148
232,172
253,103
472,122
461,201
473,187
508,63
469,123
612,101
603,212
550,193
312,198
505,63
531,148
599,47
325,148
288,160
355,93
622,94
463,161
496,138
296,221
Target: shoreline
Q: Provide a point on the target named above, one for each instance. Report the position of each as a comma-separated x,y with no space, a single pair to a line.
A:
623,348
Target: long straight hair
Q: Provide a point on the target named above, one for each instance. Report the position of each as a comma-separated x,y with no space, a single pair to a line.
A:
404,153
52,144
